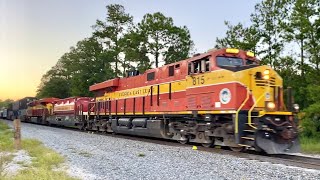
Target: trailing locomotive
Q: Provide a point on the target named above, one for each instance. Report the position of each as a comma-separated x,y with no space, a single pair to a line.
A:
61,112
68,112
39,110
223,97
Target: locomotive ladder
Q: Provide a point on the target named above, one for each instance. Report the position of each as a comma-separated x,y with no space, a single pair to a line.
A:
246,136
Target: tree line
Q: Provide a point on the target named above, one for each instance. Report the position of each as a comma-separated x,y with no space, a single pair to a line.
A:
5,103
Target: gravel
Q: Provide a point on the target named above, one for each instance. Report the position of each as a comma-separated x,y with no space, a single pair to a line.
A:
20,160
91,156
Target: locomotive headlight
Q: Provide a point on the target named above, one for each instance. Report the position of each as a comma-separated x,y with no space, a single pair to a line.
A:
266,77
296,107
271,105
266,74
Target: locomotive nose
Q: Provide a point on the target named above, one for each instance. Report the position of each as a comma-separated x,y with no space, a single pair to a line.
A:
266,86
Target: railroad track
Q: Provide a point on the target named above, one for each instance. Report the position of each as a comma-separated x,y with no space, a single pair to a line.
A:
309,162
283,159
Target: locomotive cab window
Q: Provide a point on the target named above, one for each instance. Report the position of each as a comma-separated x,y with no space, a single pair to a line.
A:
173,68
150,76
199,66
229,61
251,62
171,71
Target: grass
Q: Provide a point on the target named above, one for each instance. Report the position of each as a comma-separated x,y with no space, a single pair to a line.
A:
310,145
44,160
141,155
6,143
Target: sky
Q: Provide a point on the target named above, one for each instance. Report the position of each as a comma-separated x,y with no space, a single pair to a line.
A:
34,34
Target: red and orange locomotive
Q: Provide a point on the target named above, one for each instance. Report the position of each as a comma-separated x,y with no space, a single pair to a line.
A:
223,97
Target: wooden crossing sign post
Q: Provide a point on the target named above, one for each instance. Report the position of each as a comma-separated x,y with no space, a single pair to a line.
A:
17,134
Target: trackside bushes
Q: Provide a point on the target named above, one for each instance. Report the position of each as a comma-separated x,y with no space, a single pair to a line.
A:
310,129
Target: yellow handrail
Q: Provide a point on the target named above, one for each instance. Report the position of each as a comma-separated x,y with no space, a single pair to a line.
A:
250,110
237,113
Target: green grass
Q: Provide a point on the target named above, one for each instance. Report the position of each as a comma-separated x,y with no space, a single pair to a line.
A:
44,160
6,142
310,145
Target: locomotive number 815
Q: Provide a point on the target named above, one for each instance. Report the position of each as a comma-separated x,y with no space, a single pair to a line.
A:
223,97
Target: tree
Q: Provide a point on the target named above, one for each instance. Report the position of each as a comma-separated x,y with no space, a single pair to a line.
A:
301,30
112,30
85,64
56,87
238,36
269,18
163,39
181,45
91,67
55,82
135,50
5,103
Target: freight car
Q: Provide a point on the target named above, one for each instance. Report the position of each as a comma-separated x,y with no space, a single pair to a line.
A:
222,97
15,110
4,113
9,112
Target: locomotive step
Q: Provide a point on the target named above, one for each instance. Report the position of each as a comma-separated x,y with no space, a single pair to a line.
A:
251,123
249,130
244,145
247,138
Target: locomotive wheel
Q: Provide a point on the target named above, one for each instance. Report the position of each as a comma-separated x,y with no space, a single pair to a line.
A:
208,145
183,141
80,126
237,149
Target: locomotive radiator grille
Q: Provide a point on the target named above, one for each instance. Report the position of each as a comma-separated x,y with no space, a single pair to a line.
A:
263,82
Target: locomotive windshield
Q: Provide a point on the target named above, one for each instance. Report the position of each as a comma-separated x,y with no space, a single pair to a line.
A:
234,61
229,61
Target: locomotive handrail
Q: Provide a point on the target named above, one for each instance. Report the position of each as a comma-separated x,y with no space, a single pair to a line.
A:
238,110
251,109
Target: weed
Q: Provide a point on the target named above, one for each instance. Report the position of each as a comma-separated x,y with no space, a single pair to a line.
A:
85,154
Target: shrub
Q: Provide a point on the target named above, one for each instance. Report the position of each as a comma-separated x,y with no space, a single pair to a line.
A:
311,122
